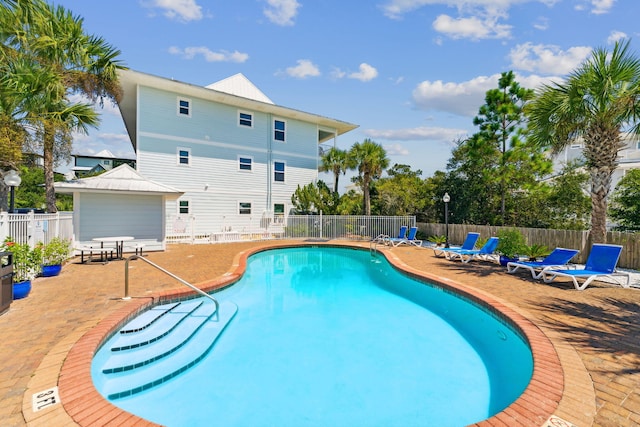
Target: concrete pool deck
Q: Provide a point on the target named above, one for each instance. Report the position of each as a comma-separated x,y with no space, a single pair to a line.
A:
595,332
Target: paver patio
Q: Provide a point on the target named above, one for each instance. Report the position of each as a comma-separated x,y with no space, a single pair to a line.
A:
595,332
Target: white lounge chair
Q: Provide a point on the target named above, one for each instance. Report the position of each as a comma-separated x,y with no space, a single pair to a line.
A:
558,258
601,263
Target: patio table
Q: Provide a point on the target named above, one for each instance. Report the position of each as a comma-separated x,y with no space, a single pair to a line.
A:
118,240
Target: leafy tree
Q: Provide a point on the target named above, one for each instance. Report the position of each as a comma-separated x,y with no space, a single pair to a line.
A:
370,159
335,161
568,202
314,198
501,122
50,42
402,193
625,202
594,104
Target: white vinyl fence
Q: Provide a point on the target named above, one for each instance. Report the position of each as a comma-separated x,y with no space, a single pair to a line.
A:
181,229
33,228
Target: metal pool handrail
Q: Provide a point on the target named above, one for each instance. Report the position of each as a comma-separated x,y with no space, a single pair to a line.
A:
184,282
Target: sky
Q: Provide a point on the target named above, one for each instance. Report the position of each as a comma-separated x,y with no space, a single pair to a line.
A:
411,74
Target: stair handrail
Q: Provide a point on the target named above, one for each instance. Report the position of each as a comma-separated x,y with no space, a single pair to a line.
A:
184,282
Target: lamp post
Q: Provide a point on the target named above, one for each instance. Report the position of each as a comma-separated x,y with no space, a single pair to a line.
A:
12,180
446,199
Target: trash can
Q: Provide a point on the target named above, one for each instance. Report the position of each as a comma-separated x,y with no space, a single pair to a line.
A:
6,278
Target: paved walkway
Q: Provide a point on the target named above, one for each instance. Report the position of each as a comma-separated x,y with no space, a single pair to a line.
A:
595,332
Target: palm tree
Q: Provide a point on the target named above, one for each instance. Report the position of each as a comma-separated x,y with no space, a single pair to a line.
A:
370,160
336,161
596,103
54,39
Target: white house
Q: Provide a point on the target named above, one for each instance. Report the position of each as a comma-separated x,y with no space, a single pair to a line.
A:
628,157
84,164
235,155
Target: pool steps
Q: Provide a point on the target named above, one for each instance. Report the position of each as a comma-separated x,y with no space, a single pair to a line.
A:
140,361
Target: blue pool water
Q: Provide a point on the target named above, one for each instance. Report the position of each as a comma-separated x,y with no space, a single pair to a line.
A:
337,337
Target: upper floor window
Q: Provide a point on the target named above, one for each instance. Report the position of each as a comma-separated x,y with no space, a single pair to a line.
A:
183,207
245,119
184,107
279,130
576,145
106,162
244,208
184,156
245,163
278,171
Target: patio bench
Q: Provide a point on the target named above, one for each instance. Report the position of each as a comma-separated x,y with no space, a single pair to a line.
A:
104,252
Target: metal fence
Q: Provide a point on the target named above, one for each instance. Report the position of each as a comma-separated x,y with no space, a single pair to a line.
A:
182,229
574,239
33,228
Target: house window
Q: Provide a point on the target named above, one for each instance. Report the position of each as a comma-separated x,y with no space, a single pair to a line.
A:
576,146
244,208
245,119
106,162
184,156
184,107
183,207
278,169
245,163
278,213
279,130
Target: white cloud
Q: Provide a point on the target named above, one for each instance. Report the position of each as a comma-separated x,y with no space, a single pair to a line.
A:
337,73
542,23
396,150
465,98
472,28
547,59
601,6
366,73
616,36
183,10
394,9
304,69
282,12
209,55
423,133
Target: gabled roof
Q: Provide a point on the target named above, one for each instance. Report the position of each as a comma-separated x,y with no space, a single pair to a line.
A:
239,85
130,81
118,180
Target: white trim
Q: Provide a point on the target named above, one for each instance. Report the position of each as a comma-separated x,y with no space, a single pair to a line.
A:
250,170
220,144
179,156
253,117
178,106
189,207
273,136
284,173
250,208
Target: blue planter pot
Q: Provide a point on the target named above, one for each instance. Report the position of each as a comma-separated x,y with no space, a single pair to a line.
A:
51,270
21,289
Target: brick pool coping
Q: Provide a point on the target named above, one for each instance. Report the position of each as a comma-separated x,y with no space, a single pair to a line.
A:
86,407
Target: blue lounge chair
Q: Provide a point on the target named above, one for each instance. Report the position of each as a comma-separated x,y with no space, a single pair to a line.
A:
558,258
409,240
601,262
384,238
486,252
468,244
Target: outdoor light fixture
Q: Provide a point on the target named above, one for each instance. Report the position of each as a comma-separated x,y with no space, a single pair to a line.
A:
12,180
446,199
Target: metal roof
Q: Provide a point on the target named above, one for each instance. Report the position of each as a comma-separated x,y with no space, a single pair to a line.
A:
117,180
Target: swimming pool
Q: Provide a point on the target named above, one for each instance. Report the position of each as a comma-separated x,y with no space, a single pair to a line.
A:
328,336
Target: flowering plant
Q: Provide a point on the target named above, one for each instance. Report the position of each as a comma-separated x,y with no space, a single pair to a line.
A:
56,251
26,261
